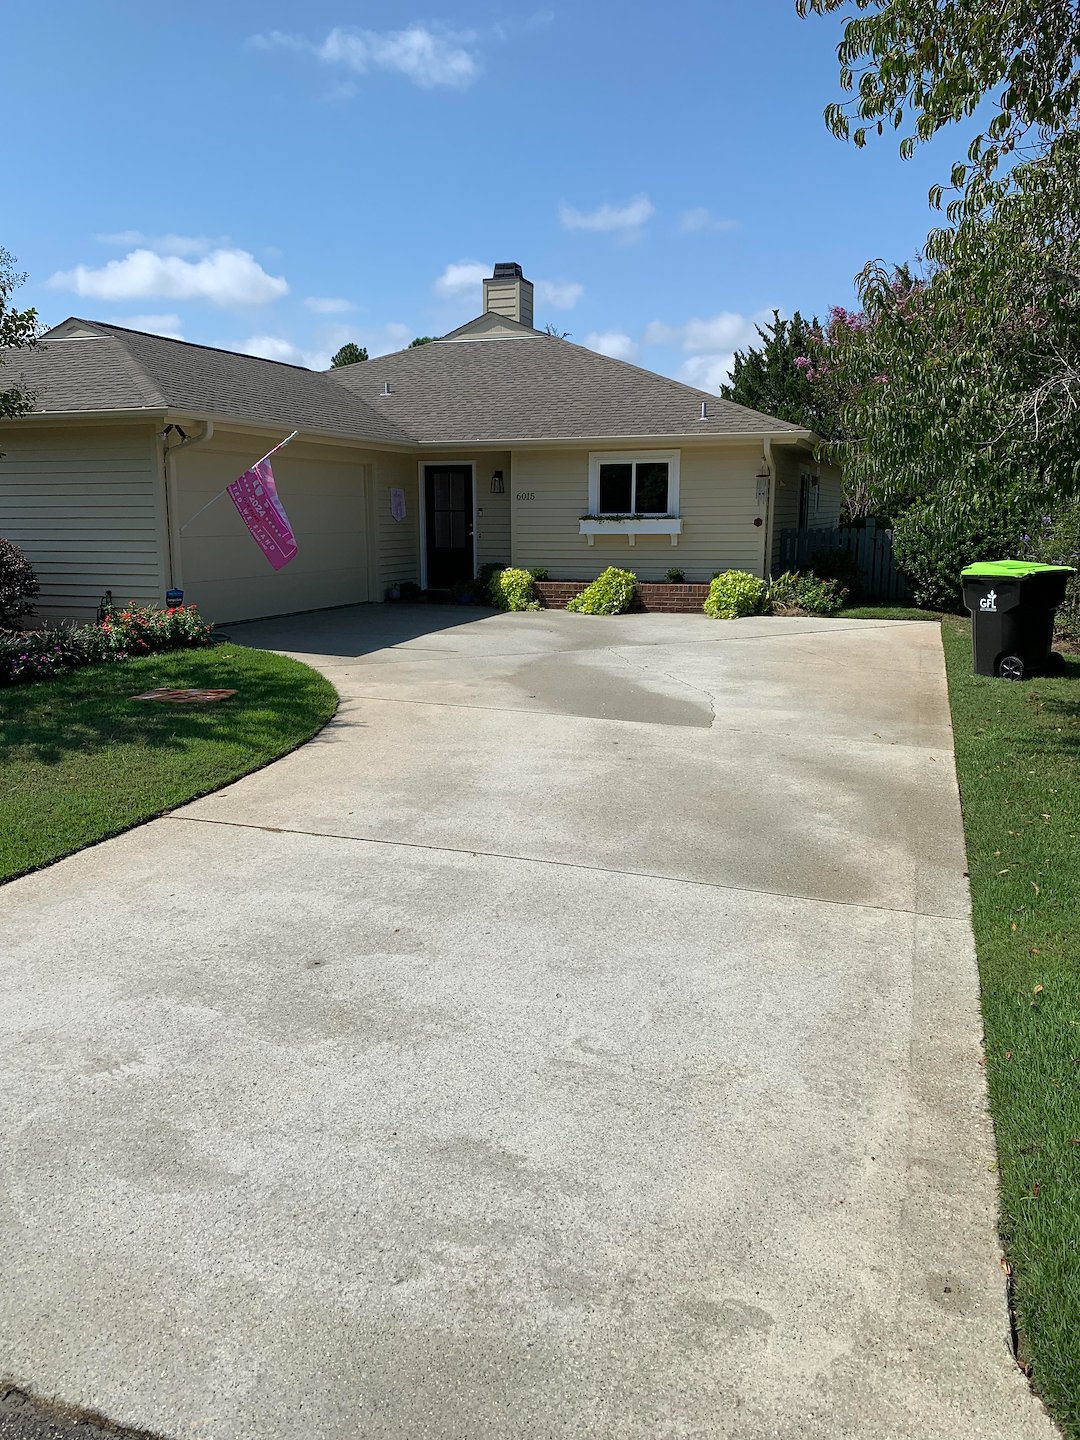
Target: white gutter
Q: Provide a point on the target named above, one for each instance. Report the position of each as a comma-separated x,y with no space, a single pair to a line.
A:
172,530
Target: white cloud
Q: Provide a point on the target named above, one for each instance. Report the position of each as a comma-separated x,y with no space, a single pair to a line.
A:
709,342
224,278
381,340
560,294
427,56
624,219
387,338
611,342
460,278
726,331
164,244
708,372
699,220
277,347
328,305
170,326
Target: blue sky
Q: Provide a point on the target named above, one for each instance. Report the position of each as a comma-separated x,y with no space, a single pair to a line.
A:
279,178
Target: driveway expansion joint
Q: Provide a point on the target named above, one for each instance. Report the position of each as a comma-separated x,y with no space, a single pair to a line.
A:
479,854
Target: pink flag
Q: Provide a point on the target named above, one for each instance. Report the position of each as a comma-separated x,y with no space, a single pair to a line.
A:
255,496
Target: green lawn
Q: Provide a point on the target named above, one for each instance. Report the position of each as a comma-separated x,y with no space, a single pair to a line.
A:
81,760
1018,760
886,612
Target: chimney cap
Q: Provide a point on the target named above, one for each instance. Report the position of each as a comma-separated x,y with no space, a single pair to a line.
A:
508,270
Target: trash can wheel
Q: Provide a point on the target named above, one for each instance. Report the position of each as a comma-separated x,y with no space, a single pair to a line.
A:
1011,667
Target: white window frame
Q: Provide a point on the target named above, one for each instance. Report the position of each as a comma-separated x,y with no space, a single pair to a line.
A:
633,457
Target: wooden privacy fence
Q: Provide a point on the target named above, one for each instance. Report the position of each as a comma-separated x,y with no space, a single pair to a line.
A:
870,547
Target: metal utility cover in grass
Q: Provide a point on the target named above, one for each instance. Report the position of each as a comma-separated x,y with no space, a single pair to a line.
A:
186,697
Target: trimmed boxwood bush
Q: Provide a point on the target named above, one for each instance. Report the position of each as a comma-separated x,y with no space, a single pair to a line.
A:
609,594
512,589
18,585
733,594
795,594
134,630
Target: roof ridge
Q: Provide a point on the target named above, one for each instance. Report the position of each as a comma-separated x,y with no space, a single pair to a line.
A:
109,328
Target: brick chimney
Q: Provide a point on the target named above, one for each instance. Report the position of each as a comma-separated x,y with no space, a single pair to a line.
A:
508,293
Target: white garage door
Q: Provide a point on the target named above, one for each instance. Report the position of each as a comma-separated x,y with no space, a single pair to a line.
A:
224,572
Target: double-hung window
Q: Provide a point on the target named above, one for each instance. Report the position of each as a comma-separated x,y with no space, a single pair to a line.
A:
645,484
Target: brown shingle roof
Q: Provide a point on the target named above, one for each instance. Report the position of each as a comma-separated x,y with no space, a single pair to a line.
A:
112,368
519,386
534,386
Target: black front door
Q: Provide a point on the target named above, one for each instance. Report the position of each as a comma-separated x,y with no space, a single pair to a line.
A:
448,501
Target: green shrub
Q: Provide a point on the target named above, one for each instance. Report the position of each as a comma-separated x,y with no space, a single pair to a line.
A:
1055,540
734,593
134,630
933,541
797,594
512,589
18,585
539,572
836,564
675,576
410,590
609,594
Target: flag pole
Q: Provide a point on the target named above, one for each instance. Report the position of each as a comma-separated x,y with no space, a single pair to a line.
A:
280,446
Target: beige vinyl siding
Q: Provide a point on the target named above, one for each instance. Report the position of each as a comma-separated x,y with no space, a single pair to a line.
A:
85,504
324,491
398,541
718,505
831,497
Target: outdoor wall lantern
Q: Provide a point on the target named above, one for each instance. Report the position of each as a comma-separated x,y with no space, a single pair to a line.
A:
497,483
763,471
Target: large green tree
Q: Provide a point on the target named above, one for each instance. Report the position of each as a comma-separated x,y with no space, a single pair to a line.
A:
18,331
918,66
349,354
773,378
965,384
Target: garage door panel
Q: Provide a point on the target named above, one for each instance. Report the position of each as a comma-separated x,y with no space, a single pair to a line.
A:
224,571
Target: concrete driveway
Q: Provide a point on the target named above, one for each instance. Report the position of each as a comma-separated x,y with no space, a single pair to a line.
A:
578,1038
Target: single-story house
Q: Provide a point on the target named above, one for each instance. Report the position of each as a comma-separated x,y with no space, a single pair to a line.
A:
498,444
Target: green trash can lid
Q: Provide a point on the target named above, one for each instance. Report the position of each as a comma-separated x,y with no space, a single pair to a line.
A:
1012,569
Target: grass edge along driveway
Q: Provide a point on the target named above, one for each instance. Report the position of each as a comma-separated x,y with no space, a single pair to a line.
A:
1018,763
81,760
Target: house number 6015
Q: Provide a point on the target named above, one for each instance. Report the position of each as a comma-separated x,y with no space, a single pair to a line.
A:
525,495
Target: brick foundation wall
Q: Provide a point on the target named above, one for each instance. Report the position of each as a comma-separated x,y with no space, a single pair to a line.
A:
664,598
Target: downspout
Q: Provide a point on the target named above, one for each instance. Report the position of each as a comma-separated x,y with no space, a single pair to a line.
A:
176,569
770,519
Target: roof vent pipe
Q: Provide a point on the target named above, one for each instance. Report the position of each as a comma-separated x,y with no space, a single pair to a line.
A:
386,388
704,409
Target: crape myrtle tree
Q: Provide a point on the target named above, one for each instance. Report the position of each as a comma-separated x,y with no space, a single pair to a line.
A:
776,378
957,391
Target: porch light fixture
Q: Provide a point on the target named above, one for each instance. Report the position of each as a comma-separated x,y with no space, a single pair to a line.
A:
763,471
497,487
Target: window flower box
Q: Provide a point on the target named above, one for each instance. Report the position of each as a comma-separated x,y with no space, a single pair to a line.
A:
631,526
